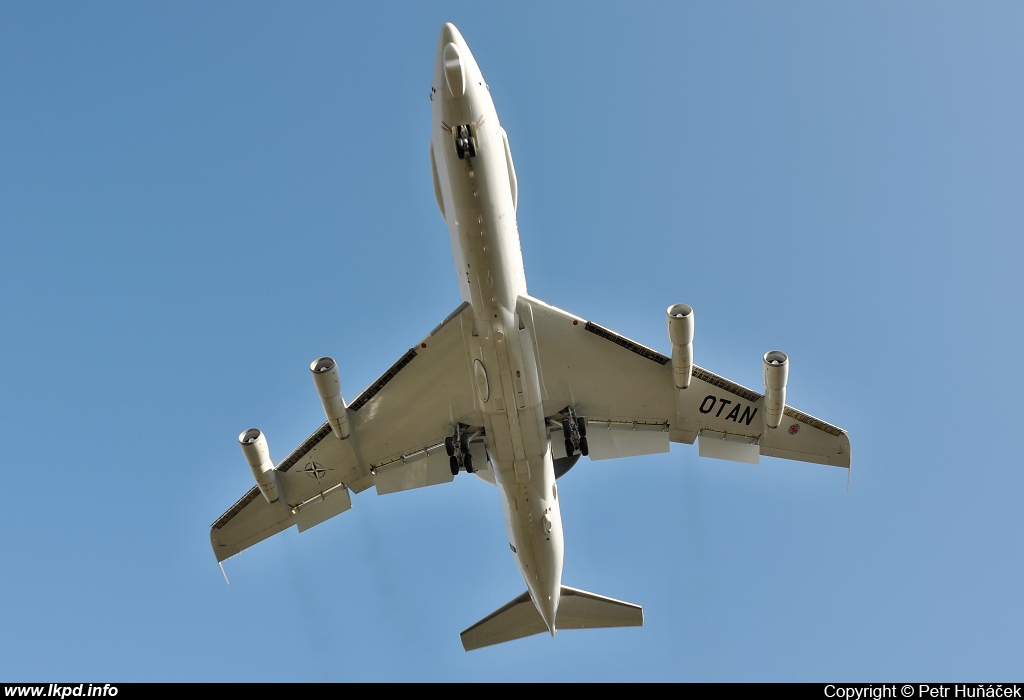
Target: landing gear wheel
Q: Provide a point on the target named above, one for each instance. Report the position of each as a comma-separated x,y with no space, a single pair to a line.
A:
453,464
449,446
569,449
581,424
567,429
464,443
467,461
465,142
584,447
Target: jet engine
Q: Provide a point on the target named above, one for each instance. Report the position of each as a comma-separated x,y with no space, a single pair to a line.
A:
776,375
680,332
328,385
257,454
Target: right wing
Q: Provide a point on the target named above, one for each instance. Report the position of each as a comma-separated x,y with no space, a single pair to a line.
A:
632,406
398,426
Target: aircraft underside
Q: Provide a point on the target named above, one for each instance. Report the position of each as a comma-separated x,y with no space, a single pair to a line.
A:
512,390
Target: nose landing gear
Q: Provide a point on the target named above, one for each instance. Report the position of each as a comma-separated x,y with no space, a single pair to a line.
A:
465,141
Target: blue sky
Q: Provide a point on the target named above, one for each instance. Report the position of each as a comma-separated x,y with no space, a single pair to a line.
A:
197,199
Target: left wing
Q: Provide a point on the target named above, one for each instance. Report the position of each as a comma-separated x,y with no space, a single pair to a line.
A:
626,392
398,426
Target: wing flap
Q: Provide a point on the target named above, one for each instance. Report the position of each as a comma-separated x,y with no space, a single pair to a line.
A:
728,447
323,507
611,439
426,468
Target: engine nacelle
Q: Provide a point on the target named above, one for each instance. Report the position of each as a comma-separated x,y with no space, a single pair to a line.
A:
680,332
776,375
328,385
257,454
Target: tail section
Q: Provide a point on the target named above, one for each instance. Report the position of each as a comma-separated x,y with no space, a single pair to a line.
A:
576,610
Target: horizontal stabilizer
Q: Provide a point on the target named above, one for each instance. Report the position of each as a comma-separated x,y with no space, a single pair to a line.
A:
576,610
579,610
516,620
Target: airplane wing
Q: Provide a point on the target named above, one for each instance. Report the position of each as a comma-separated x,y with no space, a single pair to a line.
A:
626,392
398,426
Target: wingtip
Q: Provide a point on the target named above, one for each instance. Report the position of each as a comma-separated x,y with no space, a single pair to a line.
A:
849,457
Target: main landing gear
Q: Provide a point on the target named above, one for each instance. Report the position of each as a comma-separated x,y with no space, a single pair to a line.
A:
457,448
465,141
574,430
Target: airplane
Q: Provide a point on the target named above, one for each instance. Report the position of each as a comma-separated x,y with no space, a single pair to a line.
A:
513,391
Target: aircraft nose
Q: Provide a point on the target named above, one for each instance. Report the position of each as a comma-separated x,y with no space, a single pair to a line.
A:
452,55
450,35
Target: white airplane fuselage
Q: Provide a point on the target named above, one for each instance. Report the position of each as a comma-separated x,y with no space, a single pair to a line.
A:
476,194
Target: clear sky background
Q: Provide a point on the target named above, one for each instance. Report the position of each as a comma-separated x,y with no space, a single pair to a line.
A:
197,199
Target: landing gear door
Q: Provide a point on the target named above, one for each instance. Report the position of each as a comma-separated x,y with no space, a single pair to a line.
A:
611,439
